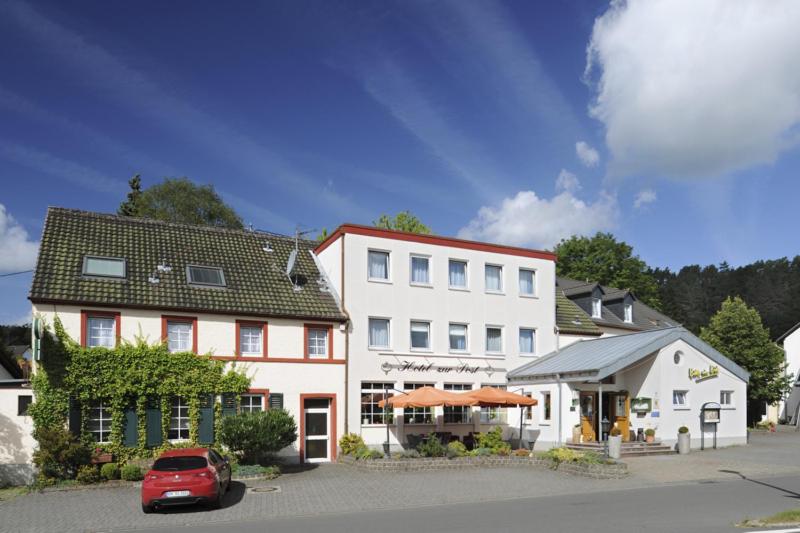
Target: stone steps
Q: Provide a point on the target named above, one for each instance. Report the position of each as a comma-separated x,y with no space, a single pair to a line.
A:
629,449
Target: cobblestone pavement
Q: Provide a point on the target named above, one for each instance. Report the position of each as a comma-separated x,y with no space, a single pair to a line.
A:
339,489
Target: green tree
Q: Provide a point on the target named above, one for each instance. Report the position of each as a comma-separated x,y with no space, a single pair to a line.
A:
736,330
404,221
256,437
130,207
180,200
323,234
605,260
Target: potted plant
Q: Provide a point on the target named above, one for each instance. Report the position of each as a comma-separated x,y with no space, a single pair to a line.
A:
576,433
684,440
615,443
100,456
649,435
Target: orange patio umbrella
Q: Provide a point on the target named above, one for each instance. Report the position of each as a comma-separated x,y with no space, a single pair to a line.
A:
496,397
428,397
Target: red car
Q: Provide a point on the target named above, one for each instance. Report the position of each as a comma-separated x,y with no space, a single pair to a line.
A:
186,476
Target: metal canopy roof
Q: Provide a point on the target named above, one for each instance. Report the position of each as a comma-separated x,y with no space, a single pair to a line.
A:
599,358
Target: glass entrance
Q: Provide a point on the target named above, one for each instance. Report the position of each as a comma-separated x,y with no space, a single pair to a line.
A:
317,413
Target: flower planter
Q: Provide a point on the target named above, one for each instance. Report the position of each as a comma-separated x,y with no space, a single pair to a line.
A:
684,443
102,458
649,439
615,446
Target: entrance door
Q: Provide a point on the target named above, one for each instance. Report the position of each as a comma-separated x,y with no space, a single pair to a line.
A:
588,414
317,413
622,414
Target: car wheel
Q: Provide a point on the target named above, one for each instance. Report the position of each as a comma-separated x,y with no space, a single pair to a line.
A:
216,503
147,509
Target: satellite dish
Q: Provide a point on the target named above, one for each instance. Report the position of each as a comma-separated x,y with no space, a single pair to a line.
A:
290,262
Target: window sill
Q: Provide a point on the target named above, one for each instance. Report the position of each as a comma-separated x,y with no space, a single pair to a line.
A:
547,424
421,350
377,425
379,280
495,354
496,293
379,349
422,285
528,355
458,352
460,289
683,408
530,296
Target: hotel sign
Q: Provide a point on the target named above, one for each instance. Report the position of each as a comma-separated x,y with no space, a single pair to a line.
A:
410,366
699,375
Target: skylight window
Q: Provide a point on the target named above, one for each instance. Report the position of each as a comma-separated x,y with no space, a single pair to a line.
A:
106,267
200,275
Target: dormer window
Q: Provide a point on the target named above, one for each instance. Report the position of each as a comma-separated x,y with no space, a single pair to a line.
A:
629,312
103,267
207,276
597,308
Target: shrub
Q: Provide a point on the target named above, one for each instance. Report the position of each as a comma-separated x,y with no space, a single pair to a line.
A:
255,437
87,475
456,449
650,432
269,472
481,452
432,448
615,432
131,473
60,454
493,440
590,458
110,471
683,429
367,454
408,454
350,443
522,452
562,455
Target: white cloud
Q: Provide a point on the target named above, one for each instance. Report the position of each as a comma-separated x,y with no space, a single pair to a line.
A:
567,181
644,197
692,89
17,251
588,155
528,220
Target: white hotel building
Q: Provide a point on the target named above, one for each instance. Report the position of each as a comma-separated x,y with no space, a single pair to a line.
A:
429,310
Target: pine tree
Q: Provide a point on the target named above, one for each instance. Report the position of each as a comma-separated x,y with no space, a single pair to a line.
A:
130,207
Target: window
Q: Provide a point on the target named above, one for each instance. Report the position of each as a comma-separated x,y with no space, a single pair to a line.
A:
494,278
23,402
528,413
101,331
179,419
416,415
726,398
371,394
680,398
420,270
378,333
494,415
276,400
378,266
420,335
597,308
105,267
99,421
458,414
457,274
494,340
200,275
527,282
317,343
527,341
251,403
628,313
678,357
251,340
458,338
547,408
179,336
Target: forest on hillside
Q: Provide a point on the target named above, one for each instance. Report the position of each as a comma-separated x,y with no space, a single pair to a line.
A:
694,293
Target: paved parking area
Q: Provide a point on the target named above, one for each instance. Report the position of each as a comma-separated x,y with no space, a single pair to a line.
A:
339,489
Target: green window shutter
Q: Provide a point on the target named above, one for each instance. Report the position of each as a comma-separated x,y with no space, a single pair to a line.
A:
153,419
275,400
74,417
228,404
205,433
130,435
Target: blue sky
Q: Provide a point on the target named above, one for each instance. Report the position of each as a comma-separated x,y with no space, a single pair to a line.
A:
677,131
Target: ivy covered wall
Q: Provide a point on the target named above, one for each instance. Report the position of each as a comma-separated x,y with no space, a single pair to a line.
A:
138,381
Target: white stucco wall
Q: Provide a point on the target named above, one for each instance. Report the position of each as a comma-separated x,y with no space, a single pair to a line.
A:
16,439
656,377
402,302
216,335
791,345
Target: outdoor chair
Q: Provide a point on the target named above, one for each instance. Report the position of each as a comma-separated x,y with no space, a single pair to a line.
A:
414,441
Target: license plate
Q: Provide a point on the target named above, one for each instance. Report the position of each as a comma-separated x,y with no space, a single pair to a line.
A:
176,493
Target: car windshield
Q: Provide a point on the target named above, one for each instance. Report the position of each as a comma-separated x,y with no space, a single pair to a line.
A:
176,464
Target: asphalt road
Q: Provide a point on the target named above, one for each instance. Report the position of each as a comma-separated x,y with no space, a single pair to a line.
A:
707,507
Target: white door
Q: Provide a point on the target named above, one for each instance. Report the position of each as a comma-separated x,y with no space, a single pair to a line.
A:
317,413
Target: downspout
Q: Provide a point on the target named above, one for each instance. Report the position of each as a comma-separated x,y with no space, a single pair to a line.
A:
560,407
346,346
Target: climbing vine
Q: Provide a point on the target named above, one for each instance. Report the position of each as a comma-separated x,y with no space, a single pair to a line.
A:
124,377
